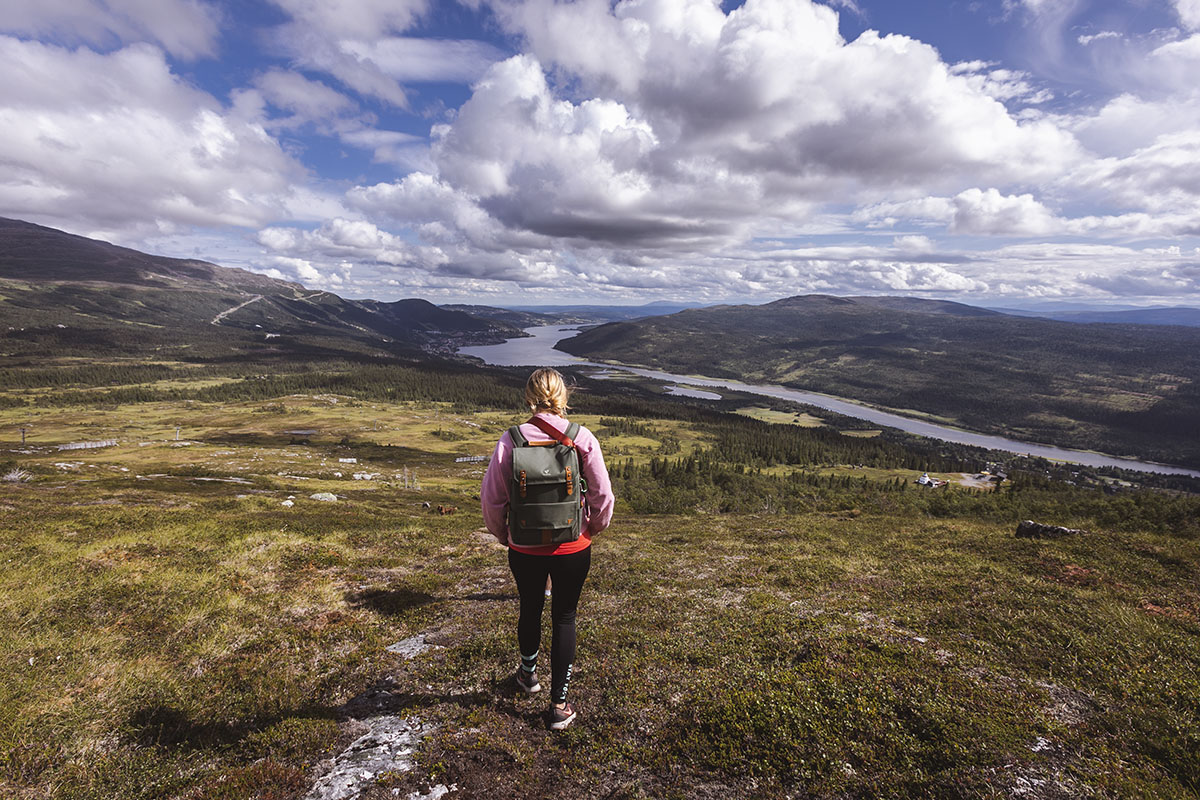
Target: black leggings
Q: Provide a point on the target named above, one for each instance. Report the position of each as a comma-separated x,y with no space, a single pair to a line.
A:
567,574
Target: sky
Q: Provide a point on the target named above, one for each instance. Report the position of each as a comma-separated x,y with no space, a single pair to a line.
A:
1008,153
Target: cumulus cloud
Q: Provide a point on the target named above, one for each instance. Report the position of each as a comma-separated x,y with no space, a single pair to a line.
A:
772,87
630,148
677,128
185,28
973,212
645,146
299,269
339,238
653,145
116,142
992,213
1189,13
978,212
1162,177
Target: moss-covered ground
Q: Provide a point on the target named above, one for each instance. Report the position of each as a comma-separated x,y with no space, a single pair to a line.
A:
169,629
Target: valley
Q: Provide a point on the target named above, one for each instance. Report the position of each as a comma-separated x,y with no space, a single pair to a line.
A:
1126,390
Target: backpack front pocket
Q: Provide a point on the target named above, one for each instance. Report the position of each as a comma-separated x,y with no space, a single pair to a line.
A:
560,520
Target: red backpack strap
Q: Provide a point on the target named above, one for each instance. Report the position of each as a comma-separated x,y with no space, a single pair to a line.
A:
551,431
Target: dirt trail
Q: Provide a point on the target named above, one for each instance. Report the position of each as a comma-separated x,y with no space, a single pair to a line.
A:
217,319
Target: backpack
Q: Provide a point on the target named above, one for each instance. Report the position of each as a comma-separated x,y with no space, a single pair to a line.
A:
545,497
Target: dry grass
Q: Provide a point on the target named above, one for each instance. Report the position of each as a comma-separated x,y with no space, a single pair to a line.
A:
163,635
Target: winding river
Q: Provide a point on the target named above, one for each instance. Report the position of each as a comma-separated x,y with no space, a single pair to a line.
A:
538,350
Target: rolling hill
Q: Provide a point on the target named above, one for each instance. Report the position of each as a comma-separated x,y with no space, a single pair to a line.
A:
61,293
1121,389
1138,316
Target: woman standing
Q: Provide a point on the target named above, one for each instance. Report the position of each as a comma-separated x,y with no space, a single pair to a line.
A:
565,563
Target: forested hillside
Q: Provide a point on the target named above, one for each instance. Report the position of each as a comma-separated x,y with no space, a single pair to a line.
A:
1119,389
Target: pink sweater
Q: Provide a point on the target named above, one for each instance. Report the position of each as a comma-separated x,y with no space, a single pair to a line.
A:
598,502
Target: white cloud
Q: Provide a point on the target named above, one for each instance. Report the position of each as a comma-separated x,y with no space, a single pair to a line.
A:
341,238
298,269
185,28
978,212
1189,13
413,60
972,212
635,148
1087,39
849,5
356,42
1163,177
914,244
313,49
705,128
1128,122
308,100
652,146
117,143
355,18
1005,85
403,150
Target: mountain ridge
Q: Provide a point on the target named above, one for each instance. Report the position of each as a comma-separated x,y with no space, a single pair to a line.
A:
60,291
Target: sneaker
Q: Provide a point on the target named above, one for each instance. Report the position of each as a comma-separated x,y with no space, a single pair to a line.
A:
561,716
528,682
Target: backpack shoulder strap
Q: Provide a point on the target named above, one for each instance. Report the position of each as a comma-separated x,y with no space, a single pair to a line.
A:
565,439
518,440
572,431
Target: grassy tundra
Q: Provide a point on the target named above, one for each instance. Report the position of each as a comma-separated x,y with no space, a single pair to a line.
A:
168,628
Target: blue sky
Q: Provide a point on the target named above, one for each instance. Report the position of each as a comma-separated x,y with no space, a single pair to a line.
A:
1007,152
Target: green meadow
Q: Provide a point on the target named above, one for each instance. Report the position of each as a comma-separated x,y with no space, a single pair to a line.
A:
754,625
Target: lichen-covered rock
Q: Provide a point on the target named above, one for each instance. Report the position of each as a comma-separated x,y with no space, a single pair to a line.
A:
1036,530
387,747
411,647
326,497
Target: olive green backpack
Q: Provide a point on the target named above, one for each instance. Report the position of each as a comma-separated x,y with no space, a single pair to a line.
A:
545,498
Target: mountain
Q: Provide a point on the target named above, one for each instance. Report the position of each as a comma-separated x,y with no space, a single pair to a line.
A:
61,292
1189,317
569,315
519,319
1121,389
530,316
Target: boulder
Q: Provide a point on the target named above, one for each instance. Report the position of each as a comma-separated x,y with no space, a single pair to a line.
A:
327,497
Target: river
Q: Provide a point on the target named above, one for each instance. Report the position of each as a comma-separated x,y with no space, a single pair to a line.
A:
538,350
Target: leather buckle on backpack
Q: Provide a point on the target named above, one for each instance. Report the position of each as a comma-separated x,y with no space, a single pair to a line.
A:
570,483
522,483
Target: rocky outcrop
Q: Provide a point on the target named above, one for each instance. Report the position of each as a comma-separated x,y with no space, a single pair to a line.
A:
1036,530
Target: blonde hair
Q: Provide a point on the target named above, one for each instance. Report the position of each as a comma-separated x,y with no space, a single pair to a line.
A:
547,391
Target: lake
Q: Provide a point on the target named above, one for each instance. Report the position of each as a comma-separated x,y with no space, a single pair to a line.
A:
538,350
